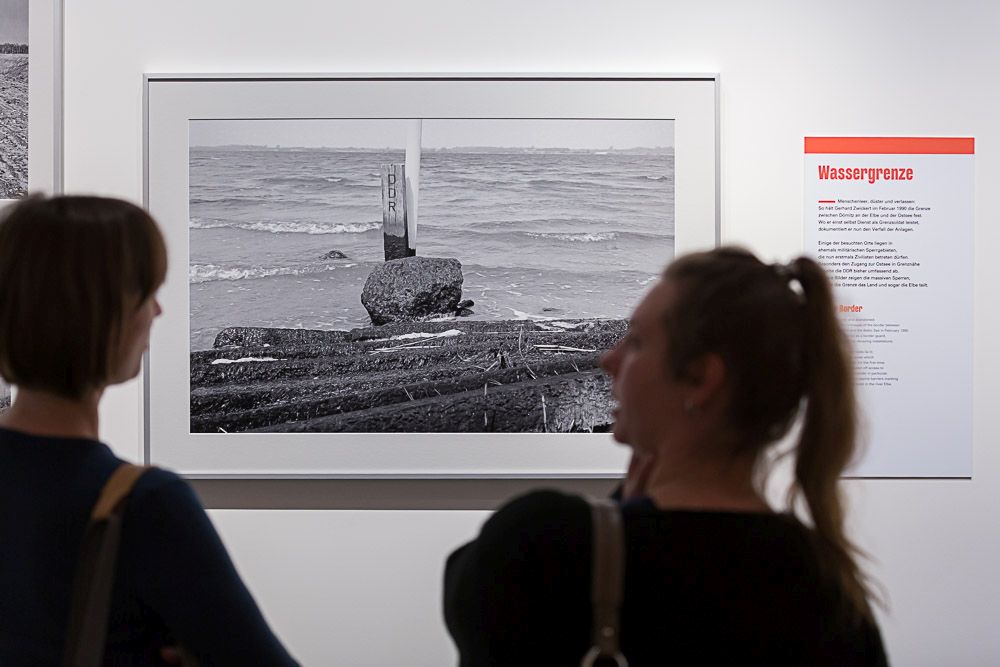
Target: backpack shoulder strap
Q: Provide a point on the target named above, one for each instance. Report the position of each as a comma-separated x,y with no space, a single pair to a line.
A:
116,489
607,582
95,571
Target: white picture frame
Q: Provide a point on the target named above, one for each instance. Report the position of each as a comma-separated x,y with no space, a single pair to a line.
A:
44,113
172,101
44,99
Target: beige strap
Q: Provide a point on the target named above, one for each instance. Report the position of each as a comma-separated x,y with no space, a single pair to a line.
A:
608,581
118,486
86,632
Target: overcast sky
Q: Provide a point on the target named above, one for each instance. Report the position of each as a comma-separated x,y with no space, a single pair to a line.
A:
437,133
14,21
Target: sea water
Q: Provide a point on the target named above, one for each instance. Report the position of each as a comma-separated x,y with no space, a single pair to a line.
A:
540,233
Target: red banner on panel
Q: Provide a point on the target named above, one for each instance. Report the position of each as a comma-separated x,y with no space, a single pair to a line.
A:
892,145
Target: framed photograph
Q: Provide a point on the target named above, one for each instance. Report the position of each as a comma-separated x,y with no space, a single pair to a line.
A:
30,97
411,276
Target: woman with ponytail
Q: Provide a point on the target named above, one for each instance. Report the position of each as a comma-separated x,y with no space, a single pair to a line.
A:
723,357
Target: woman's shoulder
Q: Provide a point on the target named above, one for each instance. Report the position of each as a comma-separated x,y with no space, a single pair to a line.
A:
159,480
544,502
539,524
539,514
547,521
159,488
766,529
163,511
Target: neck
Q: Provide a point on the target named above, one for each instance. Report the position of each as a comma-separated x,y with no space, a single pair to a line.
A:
710,483
43,413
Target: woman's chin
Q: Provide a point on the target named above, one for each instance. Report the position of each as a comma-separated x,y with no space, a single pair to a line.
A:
125,374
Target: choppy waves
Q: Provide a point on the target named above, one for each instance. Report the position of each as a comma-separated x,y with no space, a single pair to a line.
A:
299,183
301,180
294,227
600,237
204,273
583,237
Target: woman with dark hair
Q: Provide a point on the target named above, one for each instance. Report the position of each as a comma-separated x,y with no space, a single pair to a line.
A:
721,358
78,282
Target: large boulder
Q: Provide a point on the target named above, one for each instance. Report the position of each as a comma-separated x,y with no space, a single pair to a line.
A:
411,288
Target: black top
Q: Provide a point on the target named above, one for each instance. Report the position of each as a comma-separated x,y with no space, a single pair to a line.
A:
174,579
701,587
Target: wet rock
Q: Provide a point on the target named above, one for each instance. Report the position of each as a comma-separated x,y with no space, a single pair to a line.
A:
464,308
333,254
410,288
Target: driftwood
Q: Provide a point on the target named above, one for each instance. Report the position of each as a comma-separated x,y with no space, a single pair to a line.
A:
454,376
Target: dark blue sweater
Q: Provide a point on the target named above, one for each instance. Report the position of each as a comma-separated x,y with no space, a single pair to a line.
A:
175,582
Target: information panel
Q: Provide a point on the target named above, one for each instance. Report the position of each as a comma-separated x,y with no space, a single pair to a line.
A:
891,219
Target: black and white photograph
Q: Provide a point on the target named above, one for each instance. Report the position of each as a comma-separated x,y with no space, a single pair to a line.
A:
13,98
418,275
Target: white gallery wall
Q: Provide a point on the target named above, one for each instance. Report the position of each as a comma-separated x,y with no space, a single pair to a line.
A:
363,587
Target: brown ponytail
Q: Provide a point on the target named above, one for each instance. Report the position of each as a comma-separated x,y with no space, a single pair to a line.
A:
828,435
776,330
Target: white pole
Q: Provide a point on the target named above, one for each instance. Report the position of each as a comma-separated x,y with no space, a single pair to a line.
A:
413,137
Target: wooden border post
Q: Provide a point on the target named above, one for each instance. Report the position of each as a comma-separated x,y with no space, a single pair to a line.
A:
395,237
414,132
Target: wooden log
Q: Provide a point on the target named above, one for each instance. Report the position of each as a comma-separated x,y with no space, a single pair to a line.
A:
268,379
301,354
268,336
395,236
262,405
562,404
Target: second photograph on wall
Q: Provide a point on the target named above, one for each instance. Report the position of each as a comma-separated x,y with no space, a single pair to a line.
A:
13,98
30,97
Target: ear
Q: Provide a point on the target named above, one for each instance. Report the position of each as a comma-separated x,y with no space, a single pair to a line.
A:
706,379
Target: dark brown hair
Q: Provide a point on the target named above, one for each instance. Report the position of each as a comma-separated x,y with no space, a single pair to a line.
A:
776,330
71,270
